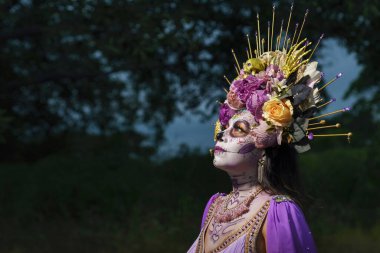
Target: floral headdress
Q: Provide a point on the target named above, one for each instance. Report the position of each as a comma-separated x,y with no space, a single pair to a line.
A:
279,86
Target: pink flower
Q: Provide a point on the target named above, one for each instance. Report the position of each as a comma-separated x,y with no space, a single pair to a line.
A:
233,100
274,71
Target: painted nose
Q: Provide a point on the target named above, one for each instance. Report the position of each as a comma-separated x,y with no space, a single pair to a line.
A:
219,136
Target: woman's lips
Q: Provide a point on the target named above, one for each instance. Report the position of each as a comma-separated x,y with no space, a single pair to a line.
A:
218,149
247,148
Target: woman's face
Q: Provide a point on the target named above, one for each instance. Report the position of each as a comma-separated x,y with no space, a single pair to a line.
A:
241,145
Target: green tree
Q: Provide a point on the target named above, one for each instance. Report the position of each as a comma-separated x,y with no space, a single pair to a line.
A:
112,66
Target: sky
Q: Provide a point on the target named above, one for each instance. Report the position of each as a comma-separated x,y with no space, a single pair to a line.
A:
334,58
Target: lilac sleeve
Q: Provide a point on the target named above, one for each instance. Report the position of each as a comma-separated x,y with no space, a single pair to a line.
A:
287,230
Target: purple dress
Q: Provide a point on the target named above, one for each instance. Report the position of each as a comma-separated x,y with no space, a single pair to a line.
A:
287,230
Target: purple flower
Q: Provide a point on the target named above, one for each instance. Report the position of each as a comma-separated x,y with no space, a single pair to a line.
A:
244,87
255,103
274,71
225,114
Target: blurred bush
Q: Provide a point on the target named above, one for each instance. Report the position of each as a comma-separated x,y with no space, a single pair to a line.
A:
102,201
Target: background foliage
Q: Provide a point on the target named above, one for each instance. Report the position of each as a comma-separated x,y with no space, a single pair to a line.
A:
101,201
111,66
87,88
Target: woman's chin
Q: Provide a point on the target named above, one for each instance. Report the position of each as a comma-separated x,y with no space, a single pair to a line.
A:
225,164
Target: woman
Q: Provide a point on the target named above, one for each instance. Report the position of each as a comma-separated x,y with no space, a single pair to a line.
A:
253,217
262,123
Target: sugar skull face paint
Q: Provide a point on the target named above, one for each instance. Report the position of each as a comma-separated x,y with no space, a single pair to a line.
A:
240,145
235,148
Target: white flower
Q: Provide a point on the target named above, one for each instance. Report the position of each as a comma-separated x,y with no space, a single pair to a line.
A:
313,73
267,57
317,96
278,86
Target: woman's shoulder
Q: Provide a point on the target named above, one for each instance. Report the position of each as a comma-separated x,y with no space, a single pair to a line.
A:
282,198
283,207
286,227
274,200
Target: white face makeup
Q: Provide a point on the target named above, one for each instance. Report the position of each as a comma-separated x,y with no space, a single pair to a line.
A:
236,151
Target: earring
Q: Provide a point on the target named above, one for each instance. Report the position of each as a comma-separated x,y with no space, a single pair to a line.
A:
260,169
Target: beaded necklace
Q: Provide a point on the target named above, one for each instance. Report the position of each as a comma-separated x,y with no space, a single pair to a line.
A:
223,214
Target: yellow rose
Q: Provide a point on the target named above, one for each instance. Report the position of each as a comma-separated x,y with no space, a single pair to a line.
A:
278,112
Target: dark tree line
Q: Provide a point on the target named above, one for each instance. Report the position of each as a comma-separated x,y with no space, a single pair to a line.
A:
109,66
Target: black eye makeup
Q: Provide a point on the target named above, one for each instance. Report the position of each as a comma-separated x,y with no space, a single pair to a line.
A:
224,127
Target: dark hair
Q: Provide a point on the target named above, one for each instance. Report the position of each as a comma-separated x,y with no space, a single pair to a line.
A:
281,175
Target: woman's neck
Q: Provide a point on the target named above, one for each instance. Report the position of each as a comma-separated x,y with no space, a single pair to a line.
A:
244,181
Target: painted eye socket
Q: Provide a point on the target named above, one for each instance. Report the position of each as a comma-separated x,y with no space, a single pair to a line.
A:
240,128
